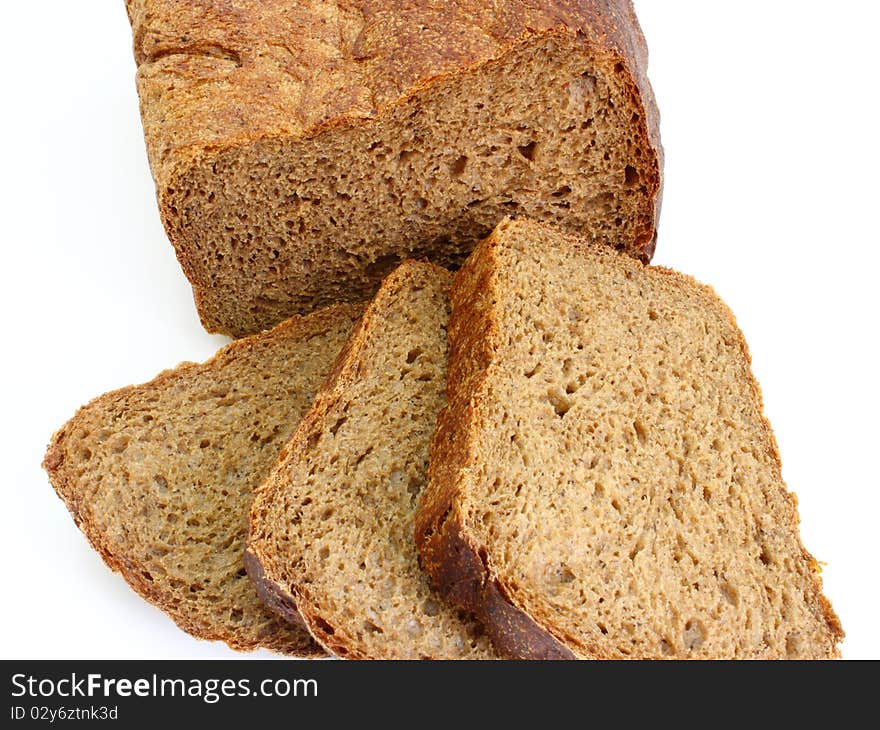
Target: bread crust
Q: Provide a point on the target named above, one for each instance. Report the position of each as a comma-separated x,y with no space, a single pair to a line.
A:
460,569
215,76
65,483
388,51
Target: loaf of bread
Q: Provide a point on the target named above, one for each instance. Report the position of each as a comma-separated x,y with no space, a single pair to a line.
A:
159,476
332,528
603,483
302,149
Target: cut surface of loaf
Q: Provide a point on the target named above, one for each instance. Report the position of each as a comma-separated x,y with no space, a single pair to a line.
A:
332,527
302,150
603,482
160,476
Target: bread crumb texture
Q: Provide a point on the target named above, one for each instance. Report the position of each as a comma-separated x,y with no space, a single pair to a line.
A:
160,476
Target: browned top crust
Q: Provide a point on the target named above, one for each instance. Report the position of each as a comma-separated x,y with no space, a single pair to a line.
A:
214,74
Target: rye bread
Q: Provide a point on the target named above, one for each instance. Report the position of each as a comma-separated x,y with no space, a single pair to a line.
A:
159,477
603,482
332,528
301,150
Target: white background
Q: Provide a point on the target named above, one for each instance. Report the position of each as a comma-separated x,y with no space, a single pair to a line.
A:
770,126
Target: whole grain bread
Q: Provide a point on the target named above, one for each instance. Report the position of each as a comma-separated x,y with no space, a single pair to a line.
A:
603,482
301,150
159,477
332,527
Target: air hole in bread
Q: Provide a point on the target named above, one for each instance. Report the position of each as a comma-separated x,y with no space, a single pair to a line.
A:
458,166
638,547
405,156
363,456
313,440
565,574
730,594
324,627
414,486
561,404
694,635
528,151
641,431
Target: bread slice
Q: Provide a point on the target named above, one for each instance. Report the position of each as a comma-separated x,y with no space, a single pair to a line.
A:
332,527
302,150
603,482
159,476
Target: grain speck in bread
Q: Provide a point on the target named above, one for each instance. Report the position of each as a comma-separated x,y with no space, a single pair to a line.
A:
302,149
332,528
159,477
603,482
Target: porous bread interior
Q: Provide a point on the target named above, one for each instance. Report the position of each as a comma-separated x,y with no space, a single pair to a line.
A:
160,476
333,526
549,130
628,492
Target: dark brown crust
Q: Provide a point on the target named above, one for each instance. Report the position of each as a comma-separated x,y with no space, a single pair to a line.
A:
228,96
66,486
269,592
463,578
461,570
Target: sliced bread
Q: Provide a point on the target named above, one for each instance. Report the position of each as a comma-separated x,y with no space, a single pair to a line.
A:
603,482
302,149
159,476
332,527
